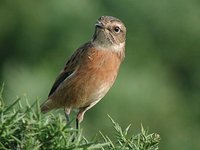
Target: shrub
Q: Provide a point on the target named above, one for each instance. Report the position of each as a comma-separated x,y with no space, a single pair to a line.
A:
27,129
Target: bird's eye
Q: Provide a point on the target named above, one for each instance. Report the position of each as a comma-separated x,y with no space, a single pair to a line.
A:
117,29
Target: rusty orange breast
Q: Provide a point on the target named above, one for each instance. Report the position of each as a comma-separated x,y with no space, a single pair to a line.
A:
95,76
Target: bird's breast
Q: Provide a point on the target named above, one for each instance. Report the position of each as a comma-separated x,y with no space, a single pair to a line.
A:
96,75
91,81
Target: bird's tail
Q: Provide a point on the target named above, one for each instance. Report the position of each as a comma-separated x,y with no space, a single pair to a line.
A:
47,106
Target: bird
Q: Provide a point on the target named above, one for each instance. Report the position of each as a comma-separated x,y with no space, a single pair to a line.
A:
90,71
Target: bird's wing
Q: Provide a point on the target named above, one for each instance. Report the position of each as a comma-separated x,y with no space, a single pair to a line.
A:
71,66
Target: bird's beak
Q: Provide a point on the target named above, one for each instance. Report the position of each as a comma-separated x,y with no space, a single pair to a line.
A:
99,24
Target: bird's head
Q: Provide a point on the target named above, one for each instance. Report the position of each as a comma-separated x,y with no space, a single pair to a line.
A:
110,32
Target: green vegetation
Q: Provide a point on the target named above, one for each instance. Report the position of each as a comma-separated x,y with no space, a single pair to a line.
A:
28,129
159,81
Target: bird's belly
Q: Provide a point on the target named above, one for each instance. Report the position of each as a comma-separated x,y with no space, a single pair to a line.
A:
83,89
92,88
90,82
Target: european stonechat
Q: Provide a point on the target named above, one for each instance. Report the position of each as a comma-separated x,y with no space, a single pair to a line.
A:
91,70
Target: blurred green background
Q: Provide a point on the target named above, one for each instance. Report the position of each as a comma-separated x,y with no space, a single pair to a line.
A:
159,81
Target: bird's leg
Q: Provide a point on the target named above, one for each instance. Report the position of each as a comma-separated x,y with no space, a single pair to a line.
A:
80,116
77,124
67,112
67,117
81,113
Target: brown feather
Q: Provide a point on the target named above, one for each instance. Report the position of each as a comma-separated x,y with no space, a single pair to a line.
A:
90,71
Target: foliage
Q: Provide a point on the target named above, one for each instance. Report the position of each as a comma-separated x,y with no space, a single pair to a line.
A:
159,80
141,141
30,130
